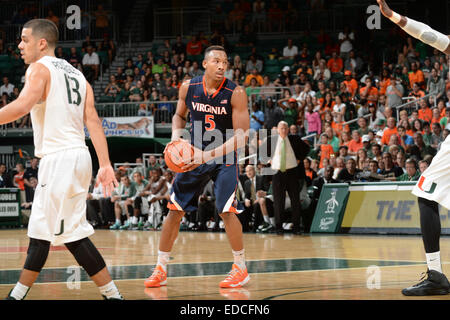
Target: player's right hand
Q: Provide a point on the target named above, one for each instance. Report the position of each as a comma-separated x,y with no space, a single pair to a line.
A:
174,140
107,178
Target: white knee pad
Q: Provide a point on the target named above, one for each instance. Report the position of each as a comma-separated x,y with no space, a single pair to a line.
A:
426,34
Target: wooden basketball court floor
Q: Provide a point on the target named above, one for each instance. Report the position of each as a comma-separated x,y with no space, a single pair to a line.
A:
288,267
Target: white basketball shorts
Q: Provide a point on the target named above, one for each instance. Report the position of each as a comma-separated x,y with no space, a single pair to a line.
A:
434,183
58,213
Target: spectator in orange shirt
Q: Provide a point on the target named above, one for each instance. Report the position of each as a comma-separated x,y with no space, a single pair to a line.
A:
441,107
330,48
338,125
194,47
416,76
355,144
274,15
436,118
324,149
19,180
101,18
310,173
236,17
345,138
328,119
335,64
351,84
369,92
245,6
416,92
385,81
425,113
255,74
323,38
202,38
52,18
389,131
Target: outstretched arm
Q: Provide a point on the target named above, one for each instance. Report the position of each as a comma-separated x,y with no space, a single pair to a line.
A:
105,174
417,29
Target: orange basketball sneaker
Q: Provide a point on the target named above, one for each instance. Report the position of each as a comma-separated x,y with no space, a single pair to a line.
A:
157,279
236,278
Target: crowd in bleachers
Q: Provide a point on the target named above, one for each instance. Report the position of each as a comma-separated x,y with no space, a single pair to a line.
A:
95,19
263,16
90,57
327,90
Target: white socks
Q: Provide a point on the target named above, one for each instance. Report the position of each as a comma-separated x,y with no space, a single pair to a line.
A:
434,261
269,220
19,292
110,291
163,259
239,258
118,221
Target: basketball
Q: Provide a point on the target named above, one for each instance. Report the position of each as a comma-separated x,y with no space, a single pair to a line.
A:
174,154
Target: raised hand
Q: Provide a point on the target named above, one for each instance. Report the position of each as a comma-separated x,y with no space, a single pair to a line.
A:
385,10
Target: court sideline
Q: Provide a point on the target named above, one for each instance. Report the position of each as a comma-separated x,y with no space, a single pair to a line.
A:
323,267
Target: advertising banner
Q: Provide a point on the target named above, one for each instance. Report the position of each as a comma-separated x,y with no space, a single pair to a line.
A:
10,214
390,208
330,208
140,127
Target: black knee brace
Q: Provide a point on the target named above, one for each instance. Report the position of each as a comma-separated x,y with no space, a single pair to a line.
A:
137,202
37,254
130,209
86,255
430,224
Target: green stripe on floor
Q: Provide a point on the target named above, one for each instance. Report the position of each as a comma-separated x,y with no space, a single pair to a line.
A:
132,272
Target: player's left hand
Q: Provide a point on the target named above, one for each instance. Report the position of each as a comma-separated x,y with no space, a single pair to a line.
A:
107,178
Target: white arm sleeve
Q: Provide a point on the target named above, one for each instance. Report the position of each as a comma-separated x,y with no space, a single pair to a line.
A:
426,34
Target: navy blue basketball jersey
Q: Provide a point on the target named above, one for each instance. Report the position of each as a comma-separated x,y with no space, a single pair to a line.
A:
210,114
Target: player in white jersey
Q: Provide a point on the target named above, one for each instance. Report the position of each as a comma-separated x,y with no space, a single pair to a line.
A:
434,184
61,102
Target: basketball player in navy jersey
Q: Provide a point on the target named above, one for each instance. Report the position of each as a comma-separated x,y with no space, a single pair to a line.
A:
433,186
217,107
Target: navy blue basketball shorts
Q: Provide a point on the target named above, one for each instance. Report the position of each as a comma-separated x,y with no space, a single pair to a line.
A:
188,186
